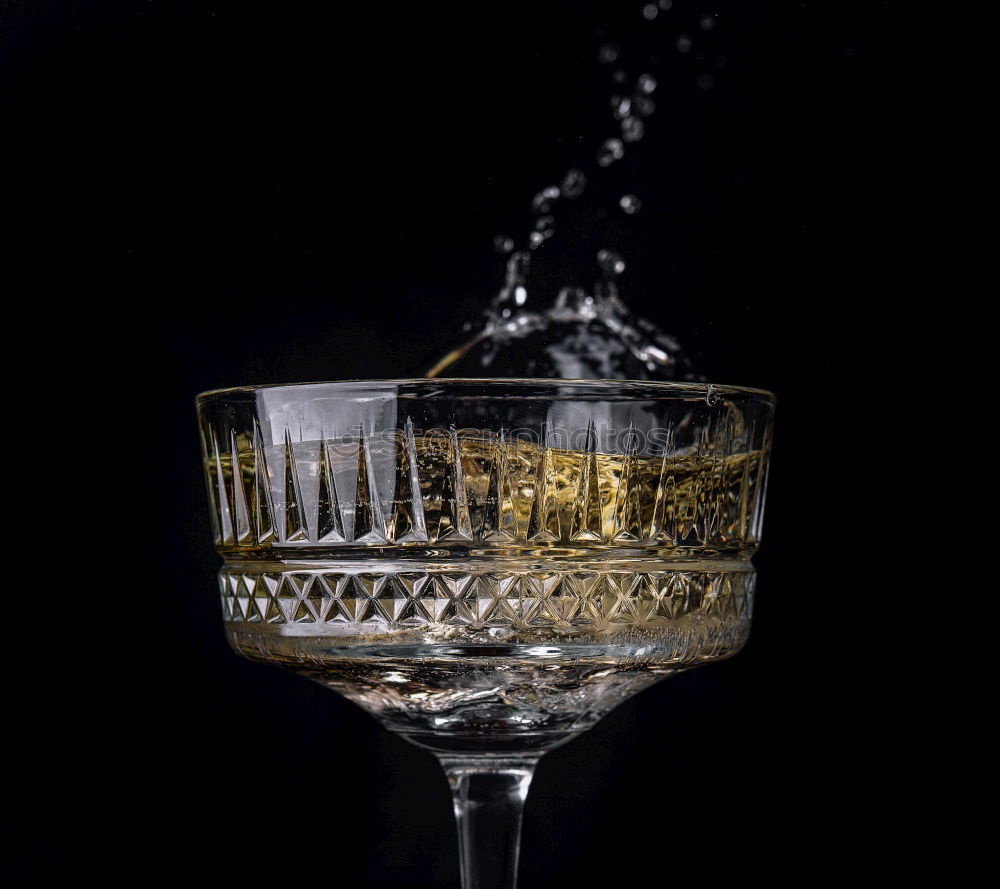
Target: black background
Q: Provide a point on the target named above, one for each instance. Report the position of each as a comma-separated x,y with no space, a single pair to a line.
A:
225,192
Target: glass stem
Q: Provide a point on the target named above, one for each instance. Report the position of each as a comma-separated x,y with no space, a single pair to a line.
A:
489,794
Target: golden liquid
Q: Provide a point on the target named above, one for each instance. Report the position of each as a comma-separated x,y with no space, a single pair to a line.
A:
448,488
458,583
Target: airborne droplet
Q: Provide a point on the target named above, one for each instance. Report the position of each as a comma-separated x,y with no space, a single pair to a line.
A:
630,204
516,277
611,263
610,151
542,202
503,244
620,106
632,129
573,184
608,53
544,229
588,332
643,106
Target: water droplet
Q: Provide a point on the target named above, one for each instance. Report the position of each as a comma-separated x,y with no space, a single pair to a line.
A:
577,300
643,106
541,235
665,4
608,53
573,184
542,202
611,263
619,76
517,275
503,244
630,204
645,84
683,43
544,223
650,11
610,151
706,22
633,129
705,81
620,106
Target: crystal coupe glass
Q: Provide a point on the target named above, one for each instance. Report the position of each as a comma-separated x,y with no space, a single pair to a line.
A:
487,566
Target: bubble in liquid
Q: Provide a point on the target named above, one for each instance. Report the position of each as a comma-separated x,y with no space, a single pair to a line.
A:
706,22
630,204
619,76
643,106
620,106
645,84
665,4
608,53
611,263
573,184
650,11
542,202
543,223
705,81
683,43
633,129
503,244
610,151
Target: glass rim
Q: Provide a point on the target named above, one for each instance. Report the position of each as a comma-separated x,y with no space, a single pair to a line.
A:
544,385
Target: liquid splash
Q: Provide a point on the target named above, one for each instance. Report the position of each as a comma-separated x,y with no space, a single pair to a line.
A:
585,333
